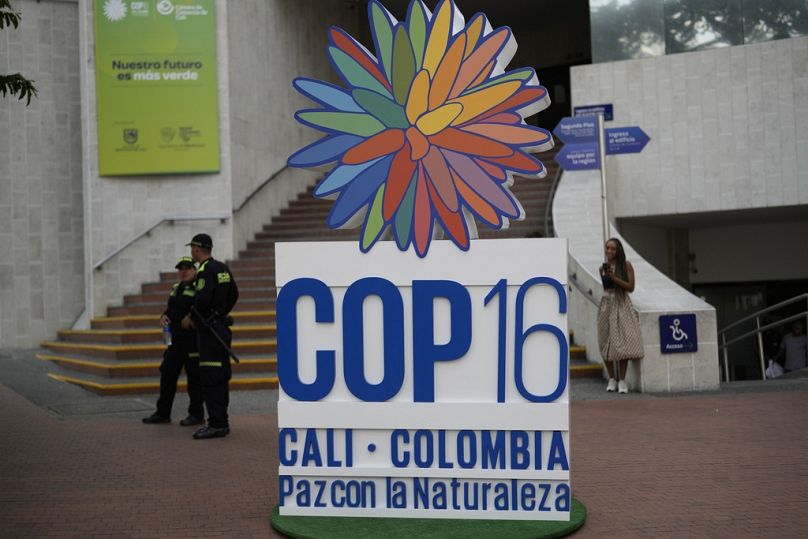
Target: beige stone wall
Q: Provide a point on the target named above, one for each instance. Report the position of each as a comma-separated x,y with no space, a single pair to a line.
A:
287,39
728,127
41,221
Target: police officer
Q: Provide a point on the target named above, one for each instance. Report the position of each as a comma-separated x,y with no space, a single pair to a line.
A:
181,351
216,294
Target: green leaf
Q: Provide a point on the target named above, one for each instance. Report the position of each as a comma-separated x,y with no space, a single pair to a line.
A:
354,123
403,65
417,32
383,30
384,109
374,226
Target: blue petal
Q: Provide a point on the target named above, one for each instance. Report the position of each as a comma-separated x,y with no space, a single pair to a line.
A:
326,150
341,175
327,94
359,192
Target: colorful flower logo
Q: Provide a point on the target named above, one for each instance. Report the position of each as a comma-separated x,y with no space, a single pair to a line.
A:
428,132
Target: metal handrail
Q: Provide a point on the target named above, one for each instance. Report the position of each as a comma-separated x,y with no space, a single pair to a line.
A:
257,189
148,231
758,331
785,303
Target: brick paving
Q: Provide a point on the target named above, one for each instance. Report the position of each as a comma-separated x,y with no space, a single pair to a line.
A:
717,465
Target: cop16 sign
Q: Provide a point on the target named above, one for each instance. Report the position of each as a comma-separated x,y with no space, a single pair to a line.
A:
424,389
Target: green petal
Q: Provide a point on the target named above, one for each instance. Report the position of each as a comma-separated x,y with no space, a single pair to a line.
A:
385,110
354,74
519,74
417,31
383,30
375,222
354,123
404,214
403,65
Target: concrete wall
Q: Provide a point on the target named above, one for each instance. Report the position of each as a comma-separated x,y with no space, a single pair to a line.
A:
118,209
287,39
41,223
728,127
577,217
778,251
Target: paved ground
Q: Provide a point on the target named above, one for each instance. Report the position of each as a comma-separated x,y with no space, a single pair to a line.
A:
731,463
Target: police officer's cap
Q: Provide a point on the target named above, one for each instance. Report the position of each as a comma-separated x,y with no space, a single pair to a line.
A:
201,240
185,262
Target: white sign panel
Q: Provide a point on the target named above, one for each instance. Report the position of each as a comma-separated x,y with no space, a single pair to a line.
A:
431,389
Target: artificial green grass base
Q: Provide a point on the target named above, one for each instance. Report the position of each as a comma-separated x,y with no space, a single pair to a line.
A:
407,528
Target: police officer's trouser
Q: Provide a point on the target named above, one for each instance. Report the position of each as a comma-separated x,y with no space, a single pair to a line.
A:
214,370
182,352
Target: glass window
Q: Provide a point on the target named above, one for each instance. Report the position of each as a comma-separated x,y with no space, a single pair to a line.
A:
766,20
624,29
702,24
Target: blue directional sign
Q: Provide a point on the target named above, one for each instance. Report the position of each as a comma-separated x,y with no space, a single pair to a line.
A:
677,334
577,129
629,139
579,156
593,110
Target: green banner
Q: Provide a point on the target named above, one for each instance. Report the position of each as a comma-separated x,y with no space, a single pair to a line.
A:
156,86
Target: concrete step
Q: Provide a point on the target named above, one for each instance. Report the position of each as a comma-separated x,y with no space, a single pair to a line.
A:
147,351
157,308
154,336
243,294
149,321
245,282
130,369
151,385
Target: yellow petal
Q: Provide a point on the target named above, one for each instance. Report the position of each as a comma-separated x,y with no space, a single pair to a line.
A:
438,37
417,100
476,103
439,119
473,33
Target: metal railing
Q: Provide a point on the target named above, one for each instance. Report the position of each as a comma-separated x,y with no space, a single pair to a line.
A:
259,188
758,331
171,220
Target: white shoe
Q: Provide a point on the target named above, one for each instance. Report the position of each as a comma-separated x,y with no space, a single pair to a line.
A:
623,387
612,385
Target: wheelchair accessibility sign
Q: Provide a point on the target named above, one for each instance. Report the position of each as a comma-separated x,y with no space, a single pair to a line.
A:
677,334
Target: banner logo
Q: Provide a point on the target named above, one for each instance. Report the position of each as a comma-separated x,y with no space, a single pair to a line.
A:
425,135
165,7
114,10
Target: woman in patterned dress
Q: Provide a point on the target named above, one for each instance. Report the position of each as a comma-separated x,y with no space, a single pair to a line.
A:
618,325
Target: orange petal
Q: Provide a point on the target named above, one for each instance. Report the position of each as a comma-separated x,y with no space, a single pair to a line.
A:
423,214
469,143
516,101
440,177
398,180
479,59
446,73
508,134
384,143
474,201
483,74
518,161
451,220
492,170
418,142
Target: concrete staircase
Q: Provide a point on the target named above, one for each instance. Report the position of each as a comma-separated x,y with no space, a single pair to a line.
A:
121,353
